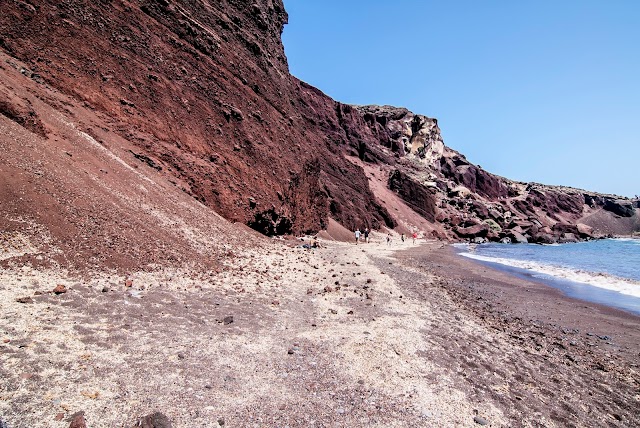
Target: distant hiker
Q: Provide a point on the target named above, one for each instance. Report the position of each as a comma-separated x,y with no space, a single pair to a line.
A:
366,234
402,237
357,236
414,236
388,239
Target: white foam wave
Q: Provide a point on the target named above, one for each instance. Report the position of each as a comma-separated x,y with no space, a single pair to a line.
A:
597,279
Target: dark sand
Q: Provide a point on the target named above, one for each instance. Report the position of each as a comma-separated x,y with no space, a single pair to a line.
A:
573,360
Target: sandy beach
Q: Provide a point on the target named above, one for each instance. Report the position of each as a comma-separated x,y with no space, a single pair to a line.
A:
344,335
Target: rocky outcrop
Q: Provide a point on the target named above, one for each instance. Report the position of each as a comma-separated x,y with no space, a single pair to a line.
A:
419,197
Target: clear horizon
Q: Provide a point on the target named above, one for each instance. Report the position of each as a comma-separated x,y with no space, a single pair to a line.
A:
532,91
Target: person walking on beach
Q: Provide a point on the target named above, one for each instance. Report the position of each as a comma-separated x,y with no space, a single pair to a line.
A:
402,237
357,235
414,236
366,234
388,239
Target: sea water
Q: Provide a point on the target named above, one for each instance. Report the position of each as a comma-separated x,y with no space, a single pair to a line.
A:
605,271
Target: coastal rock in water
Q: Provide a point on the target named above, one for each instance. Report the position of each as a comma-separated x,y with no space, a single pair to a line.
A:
516,238
584,230
544,238
568,238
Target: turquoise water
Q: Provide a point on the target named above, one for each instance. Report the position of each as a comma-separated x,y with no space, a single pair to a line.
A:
605,271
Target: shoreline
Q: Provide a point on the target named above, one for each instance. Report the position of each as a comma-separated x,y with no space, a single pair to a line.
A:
578,290
543,300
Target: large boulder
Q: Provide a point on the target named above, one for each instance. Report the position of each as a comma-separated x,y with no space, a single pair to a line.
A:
584,230
567,238
562,228
478,230
516,238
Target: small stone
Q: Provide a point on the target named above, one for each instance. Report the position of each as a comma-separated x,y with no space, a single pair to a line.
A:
350,313
221,422
155,420
6,341
227,320
128,283
105,289
24,300
59,417
77,420
480,420
181,355
60,289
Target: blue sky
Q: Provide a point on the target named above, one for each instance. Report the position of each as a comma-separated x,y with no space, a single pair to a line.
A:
545,91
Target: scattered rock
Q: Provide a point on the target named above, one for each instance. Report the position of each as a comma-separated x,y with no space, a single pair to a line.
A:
60,289
77,420
221,422
24,300
154,420
105,289
480,420
128,283
59,417
227,320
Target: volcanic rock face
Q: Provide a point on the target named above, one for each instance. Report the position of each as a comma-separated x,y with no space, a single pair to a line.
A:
201,93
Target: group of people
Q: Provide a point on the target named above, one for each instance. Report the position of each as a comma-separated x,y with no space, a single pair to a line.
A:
365,236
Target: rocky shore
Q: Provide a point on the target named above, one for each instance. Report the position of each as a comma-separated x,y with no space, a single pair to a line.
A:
369,335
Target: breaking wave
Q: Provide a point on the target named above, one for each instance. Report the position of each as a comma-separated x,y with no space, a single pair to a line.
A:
596,279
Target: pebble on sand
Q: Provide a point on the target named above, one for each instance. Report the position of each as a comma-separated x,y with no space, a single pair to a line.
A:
60,289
